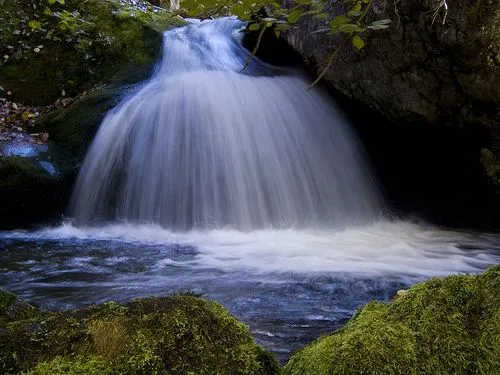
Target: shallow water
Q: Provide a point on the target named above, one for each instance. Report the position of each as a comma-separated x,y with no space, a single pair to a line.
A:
290,286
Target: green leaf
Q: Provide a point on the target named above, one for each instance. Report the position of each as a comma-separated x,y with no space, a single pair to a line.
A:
351,28
253,26
294,16
282,26
378,27
382,22
51,2
47,11
34,25
358,42
355,11
248,3
338,21
238,10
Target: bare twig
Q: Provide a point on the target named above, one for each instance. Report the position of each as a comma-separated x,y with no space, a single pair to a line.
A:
257,45
442,4
330,62
396,12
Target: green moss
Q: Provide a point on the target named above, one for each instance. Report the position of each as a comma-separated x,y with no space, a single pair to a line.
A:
173,335
439,311
12,308
488,308
369,344
104,39
74,366
442,326
73,128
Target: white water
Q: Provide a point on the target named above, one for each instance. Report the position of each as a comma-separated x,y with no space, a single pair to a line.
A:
259,174
204,145
382,248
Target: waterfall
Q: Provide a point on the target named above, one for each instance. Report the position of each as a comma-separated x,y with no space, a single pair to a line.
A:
206,145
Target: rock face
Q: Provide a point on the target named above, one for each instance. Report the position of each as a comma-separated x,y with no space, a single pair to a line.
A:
417,70
442,326
433,89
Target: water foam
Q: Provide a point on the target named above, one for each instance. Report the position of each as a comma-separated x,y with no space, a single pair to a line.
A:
382,248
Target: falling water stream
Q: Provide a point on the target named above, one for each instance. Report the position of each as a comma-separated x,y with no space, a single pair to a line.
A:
206,145
239,184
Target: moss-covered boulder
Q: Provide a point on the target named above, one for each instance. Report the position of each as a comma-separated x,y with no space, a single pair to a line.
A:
181,334
72,129
70,46
440,327
13,308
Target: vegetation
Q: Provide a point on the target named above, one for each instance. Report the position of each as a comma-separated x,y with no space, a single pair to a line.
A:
180,334
12,308
264,14
53,48
443,326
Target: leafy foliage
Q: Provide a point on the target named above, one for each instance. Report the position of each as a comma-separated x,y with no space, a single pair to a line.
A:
264,14
50,48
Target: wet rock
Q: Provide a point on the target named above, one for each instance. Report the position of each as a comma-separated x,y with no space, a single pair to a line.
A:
445,73
430,92
30,192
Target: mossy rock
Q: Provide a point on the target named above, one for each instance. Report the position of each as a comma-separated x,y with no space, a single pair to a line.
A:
74,366
29,193
13,308
439,327
71,47
72,129
180,334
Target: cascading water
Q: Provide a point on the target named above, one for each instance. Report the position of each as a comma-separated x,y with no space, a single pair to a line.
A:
206,145
267,177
